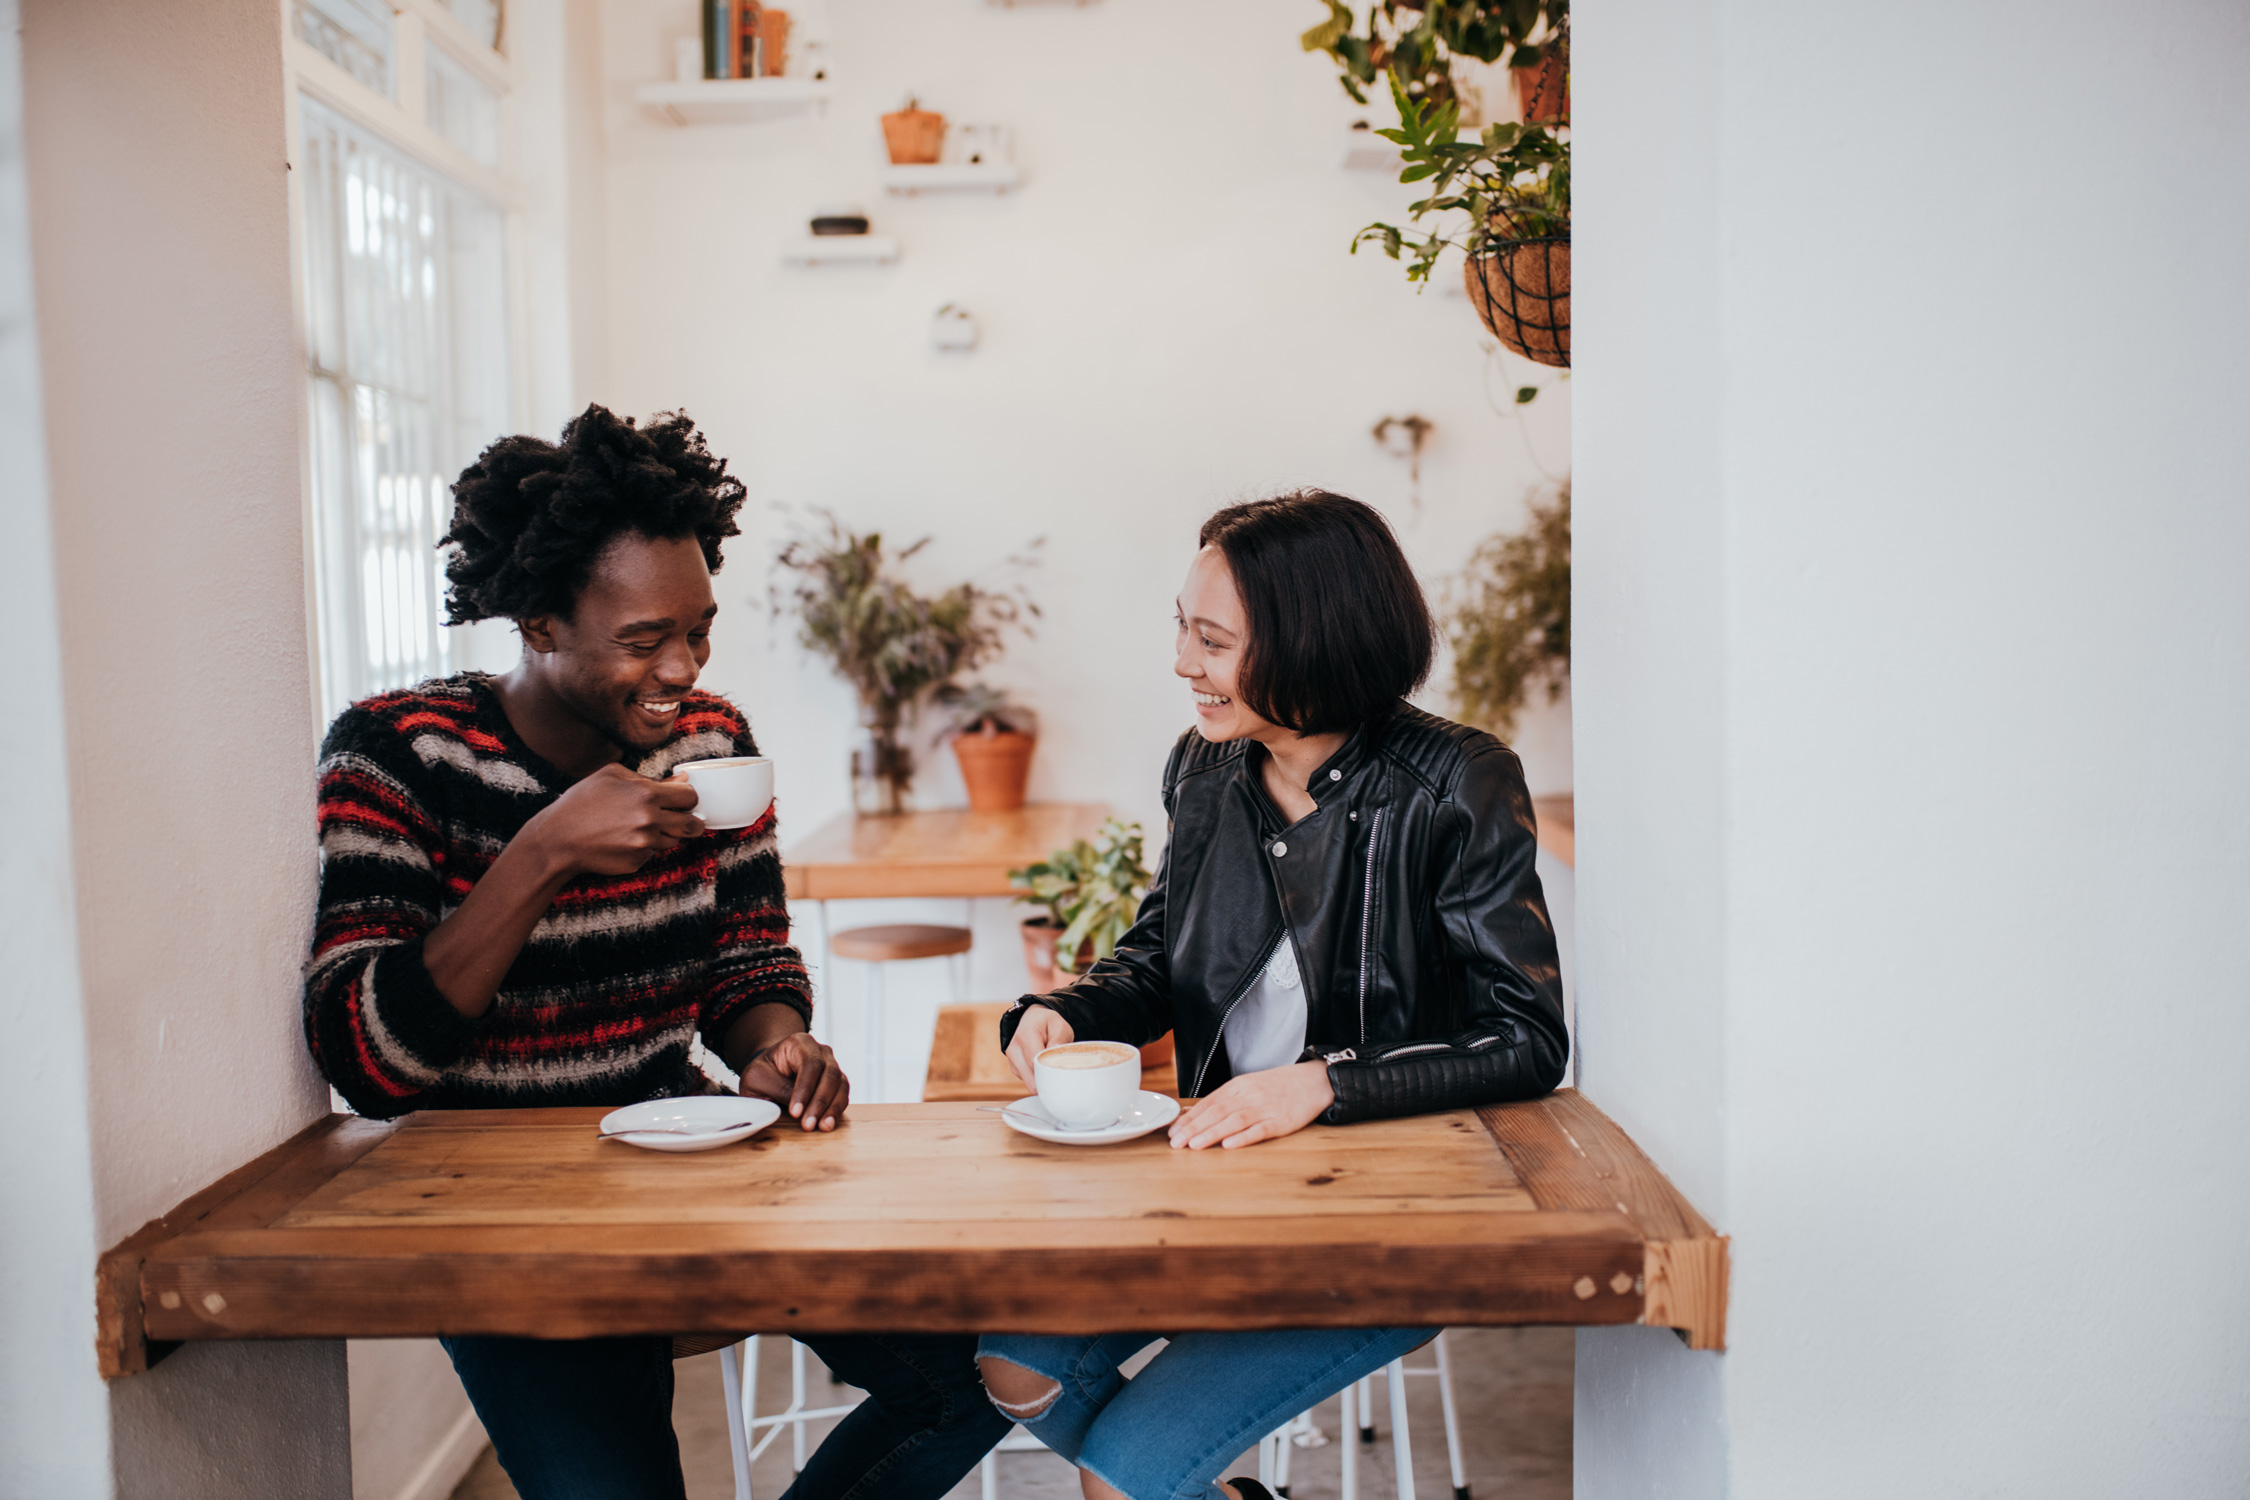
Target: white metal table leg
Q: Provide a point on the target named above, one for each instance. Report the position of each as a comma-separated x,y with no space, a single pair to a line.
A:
797,1404
1367,1409
988,1475
824,1029
1402,1446
1452,1421
1348,1485
738,1434
872,1024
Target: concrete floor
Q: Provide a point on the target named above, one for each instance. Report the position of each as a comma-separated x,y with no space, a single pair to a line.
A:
1512,1386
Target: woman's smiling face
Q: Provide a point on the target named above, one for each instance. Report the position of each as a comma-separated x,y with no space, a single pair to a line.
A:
1209,651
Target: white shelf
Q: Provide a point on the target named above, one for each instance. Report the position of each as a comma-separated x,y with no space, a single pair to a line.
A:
721,101
1365,151
841,250
950,177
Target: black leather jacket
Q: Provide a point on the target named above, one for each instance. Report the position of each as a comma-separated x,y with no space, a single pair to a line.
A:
1428,958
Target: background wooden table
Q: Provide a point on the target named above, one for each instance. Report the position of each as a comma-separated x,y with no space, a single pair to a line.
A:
951,852
967,1065
917,1217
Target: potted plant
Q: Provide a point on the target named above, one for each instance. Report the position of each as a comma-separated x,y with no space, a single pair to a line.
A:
993,737
1511,183
1417,42
1089,894
893,645
1508,619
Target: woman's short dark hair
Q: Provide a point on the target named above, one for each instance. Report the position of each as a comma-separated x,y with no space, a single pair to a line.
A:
530,517
1338,629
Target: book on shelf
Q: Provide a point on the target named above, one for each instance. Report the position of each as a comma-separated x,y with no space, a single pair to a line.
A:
744,39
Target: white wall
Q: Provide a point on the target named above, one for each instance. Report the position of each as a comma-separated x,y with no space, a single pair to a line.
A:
1170,322
1912,646
172,390
54,1416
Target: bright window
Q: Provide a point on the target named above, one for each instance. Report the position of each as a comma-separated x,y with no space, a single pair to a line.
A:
402,236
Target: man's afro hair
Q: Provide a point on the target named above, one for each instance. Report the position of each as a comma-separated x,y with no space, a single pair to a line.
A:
530,517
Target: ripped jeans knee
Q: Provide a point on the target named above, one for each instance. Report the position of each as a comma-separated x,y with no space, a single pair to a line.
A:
1023,1394
1056,1386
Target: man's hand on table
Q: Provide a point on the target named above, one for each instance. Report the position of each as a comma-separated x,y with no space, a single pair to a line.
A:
776,1060
801,1076
1256,1107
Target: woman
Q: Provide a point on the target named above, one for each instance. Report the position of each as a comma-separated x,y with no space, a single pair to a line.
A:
1346,926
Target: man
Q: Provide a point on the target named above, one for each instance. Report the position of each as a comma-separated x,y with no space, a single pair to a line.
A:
518,908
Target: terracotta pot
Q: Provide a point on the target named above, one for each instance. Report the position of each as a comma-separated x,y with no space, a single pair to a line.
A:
1039,935
914,136
1543,93
996,767
1521,289
1039,938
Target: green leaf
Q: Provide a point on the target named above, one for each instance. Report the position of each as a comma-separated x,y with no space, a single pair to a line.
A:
1325,36
1526,394
1417,174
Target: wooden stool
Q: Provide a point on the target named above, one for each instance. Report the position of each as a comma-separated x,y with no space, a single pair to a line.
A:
877,946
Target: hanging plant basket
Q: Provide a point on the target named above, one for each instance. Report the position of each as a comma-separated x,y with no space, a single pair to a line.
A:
1521,288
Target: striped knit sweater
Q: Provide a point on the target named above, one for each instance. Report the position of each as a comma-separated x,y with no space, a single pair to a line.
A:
420,790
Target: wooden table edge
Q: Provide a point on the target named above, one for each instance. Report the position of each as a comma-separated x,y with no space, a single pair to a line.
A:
121,1344
1687,1266
1569,1156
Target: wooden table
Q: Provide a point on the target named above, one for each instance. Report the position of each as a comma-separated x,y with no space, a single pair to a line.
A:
917,1217
951,852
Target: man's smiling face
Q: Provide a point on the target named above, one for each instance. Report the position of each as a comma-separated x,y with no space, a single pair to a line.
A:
636,641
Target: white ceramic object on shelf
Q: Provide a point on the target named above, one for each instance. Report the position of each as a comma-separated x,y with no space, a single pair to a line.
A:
840,250
721,101
953,327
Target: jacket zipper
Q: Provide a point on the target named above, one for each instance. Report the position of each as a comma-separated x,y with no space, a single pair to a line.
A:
1220,1036
1366,915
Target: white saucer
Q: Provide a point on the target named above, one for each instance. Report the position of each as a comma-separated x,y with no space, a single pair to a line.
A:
717,1121
1150,1111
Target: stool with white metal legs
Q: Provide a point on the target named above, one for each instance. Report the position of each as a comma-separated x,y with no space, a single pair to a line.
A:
738,1370
1358,1410
988,1472
875,947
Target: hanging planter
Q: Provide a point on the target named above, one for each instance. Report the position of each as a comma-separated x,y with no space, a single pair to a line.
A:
1510,180
1521,289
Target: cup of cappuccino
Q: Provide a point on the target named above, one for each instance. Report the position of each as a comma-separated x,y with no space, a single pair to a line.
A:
733,792
1087,1085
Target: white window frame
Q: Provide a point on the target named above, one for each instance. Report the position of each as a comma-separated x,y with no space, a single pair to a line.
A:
400,120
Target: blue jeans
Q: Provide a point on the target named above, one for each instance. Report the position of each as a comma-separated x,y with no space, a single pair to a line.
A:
591,1419
1167,1433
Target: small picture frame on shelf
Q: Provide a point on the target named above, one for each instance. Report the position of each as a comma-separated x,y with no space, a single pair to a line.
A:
979,146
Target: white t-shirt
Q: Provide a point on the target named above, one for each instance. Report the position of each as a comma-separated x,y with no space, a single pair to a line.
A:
1266,1028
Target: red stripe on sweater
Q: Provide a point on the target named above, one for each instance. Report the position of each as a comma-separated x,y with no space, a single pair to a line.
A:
370,1067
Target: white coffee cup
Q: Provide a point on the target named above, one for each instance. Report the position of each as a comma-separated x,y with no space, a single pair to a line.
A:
730,793
1087,1085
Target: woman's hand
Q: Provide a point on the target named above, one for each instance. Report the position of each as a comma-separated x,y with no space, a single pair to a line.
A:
801,1076
1256,1107
1039,1029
